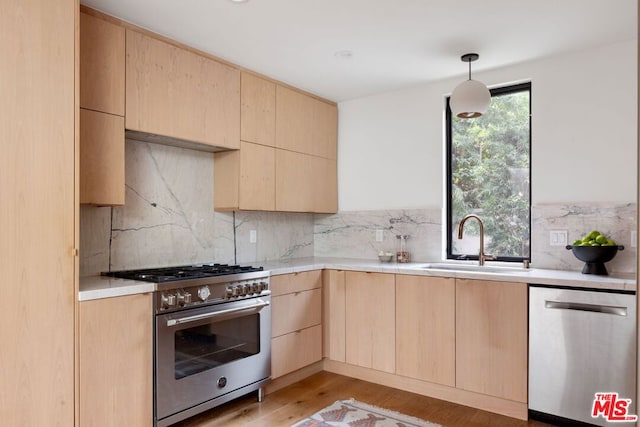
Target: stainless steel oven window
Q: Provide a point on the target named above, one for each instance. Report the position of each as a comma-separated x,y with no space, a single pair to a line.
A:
203,347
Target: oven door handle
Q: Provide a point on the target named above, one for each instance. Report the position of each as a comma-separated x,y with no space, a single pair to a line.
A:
181,320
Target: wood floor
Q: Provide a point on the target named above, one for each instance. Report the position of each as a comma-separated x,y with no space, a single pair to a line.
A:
289,405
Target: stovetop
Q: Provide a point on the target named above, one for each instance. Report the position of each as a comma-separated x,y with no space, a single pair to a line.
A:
183,272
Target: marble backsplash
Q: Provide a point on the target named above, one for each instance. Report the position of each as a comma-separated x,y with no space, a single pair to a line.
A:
616,221
353,234
168,219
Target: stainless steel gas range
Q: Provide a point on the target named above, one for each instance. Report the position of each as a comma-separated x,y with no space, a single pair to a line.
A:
212,336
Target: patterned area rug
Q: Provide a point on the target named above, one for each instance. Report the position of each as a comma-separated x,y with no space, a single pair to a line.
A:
351,413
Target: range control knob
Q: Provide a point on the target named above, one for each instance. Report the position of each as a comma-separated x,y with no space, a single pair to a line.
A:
255,287
229,292
203,293
180,297
237,291
248,290
187,297
164,301
171,300
264,286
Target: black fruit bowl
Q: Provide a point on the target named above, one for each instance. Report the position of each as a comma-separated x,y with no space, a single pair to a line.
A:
594,257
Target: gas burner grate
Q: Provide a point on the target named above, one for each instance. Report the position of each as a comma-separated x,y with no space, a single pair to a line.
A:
183,272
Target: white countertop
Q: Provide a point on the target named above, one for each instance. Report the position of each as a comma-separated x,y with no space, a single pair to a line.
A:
96,287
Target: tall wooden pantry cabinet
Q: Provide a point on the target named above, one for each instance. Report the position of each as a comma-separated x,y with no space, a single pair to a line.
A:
38,211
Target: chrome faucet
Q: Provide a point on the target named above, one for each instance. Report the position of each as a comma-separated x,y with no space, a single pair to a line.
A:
482,257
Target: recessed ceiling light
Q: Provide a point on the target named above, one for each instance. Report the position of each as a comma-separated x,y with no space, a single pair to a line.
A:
238,1
344,54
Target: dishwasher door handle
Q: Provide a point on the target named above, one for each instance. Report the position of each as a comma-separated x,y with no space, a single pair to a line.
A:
595,308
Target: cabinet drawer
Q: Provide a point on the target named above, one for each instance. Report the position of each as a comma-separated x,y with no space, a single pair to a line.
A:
293,351
296,282
292,312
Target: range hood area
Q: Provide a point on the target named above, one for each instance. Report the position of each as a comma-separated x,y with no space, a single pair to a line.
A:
172,141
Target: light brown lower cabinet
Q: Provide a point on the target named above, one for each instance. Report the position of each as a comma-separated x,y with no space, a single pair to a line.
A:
334,306
425,328
292,312
491,338
116,362
296,321
296,350
370,319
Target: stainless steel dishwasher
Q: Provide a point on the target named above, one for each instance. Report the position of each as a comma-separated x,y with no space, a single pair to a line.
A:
581,342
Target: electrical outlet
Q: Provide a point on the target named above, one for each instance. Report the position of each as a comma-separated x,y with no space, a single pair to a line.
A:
253,236
557,237
379,235
634,239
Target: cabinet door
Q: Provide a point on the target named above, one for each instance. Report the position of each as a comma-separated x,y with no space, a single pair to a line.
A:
101,158
491,338
326,130
334,314
258,110
425,328
102,58
324,185
116,387
177,93
294,182
245,179
257,177
370,320
305,124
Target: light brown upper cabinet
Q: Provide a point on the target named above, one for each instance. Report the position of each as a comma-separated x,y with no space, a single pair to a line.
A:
305,124
101,158
290,178
491,338
305,183
101,65
245,179
258,110
176,93
325,185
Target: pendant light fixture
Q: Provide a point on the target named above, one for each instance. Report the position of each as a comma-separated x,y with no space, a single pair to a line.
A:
471,98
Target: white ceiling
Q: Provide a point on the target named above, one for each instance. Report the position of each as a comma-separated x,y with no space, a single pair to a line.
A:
395,43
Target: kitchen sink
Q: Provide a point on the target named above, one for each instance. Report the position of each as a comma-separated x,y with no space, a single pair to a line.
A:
503,269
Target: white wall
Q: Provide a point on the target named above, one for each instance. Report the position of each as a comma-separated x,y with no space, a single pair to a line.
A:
584,138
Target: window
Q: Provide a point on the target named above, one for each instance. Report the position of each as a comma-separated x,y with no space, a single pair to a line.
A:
488,174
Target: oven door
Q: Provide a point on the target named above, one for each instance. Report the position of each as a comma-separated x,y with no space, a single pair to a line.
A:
204,353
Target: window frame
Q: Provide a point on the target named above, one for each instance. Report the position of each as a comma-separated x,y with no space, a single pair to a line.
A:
503,90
